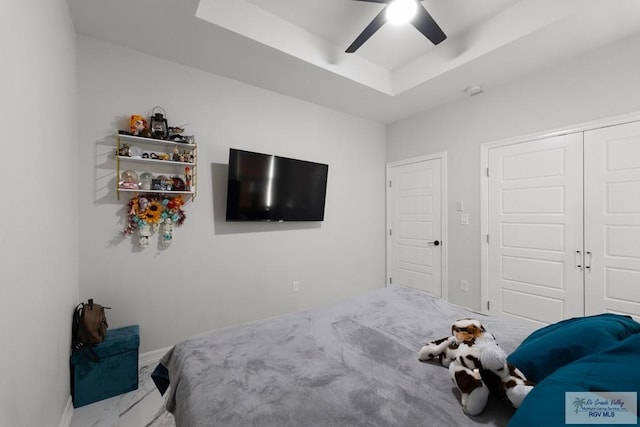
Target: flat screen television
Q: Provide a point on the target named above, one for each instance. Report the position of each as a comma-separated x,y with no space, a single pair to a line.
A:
264,187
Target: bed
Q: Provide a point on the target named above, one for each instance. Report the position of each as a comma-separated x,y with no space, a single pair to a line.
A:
353,363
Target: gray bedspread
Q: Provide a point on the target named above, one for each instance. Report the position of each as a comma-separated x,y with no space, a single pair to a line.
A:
354,363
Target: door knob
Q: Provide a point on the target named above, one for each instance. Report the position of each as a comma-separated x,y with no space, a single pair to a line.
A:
433,243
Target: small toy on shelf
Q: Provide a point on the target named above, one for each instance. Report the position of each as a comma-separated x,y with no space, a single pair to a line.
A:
138,125
177,184
175,134
187,178
157,184
136,152
124,150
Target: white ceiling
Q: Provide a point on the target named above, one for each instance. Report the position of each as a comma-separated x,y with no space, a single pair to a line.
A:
296,47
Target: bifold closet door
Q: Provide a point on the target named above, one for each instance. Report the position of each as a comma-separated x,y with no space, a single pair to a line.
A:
612,220
535,229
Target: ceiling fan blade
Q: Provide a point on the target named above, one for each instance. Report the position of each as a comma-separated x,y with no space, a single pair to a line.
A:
373,26
374,1
428,26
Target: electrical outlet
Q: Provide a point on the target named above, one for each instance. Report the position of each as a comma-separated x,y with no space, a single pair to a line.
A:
295,286
464,285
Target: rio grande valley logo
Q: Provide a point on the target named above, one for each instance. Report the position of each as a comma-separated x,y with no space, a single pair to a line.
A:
601,408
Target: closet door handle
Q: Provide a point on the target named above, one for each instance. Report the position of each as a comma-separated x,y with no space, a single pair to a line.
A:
579,259
588,261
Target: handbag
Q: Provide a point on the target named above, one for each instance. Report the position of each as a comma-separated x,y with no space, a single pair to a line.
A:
89,325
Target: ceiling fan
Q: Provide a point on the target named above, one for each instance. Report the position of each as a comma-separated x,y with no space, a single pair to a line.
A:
422,20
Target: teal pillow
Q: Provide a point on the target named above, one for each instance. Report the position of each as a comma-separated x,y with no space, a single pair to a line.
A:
612,370
559,344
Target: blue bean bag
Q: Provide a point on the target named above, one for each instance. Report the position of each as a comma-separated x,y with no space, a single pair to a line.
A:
611,370
559,344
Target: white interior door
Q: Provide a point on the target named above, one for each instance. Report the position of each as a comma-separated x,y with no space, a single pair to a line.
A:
612,215
414,216
535,223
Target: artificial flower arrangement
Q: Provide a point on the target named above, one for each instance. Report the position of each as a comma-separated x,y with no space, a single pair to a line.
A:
147,212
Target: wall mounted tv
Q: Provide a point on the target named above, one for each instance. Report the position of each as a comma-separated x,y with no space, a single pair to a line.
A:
264,187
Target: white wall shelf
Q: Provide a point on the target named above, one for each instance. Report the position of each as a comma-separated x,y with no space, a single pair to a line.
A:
143,160
170,168
160,142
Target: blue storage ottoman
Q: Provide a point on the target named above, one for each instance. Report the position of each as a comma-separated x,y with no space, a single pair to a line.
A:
115,373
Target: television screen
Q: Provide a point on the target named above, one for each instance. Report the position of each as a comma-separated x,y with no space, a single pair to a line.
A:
264,187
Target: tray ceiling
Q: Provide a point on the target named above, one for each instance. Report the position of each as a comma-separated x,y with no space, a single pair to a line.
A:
296,47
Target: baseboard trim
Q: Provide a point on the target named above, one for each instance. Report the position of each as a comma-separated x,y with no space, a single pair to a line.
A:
67,415
152,357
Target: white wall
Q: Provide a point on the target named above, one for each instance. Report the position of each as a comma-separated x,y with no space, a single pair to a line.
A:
599,85
39,216
216,274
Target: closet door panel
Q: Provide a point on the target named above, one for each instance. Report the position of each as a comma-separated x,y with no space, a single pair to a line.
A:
612,220
535,229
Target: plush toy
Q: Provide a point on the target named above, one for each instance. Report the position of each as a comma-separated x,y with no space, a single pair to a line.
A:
477,365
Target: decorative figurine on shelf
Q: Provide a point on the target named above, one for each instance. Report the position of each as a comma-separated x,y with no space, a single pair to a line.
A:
136,152
187,179
159,126
168,183
138,126
167,232
124,150
176,154
178,183
145,180
175,134
129,180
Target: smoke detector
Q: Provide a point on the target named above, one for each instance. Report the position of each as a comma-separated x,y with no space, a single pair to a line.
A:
473,90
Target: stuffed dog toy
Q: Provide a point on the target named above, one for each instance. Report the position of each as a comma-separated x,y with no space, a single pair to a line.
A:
477,365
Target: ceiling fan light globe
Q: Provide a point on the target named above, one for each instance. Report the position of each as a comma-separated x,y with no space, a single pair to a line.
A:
401,11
